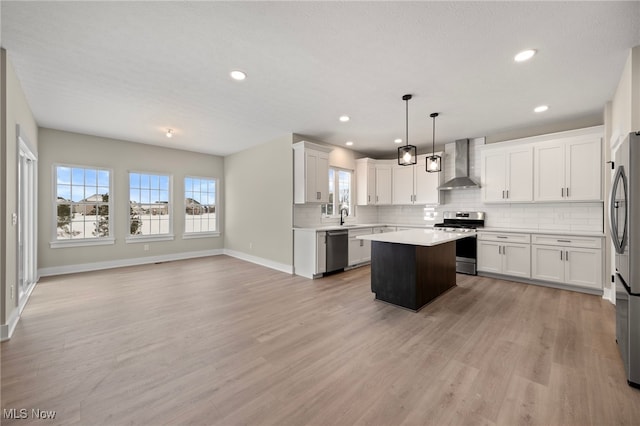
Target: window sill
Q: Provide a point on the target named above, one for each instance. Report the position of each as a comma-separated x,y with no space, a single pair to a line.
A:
82,243
149,238
193,235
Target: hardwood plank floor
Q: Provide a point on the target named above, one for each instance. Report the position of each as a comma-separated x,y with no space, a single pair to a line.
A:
221,341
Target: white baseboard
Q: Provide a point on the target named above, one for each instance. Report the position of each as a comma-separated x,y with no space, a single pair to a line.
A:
282,267
608,295
6,330
95,266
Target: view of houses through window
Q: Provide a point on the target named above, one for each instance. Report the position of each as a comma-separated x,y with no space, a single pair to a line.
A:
82,203
200,205
339,192
149,204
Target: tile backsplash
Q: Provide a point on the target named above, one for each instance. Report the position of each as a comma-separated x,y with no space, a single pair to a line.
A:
587,217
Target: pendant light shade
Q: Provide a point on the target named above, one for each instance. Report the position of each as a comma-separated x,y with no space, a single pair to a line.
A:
434,162
407,155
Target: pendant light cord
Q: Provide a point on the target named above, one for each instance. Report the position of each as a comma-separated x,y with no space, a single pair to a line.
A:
407,123
433,146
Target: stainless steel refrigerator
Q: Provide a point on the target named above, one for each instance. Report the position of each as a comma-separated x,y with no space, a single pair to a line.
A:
624,204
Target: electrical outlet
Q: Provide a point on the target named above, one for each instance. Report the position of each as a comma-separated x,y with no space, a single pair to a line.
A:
250,246
11,292
14,219
146,247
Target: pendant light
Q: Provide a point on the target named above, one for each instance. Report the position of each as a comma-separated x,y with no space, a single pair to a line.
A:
434,162
407,155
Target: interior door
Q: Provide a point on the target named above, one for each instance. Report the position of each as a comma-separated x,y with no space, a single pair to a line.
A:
27,232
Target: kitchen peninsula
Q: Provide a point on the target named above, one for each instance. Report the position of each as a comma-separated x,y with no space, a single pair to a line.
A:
411,268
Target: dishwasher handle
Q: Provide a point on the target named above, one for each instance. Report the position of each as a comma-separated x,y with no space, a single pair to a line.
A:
337,232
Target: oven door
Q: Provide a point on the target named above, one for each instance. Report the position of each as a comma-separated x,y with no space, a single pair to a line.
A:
466,255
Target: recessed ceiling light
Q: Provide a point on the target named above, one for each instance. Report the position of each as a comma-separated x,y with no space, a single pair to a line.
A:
238,75
541,108
397,141
525,55
349,143
169,133
344,118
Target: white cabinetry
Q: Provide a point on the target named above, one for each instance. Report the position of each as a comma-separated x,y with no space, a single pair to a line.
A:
359,250
373,182
508,254
567,259
568,170
311,173
309,252
413,185
507,174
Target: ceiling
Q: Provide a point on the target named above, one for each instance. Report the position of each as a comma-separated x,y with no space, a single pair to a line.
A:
131,70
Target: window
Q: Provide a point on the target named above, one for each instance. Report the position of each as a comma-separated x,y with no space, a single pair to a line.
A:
339,192
149,206
82,206
200,202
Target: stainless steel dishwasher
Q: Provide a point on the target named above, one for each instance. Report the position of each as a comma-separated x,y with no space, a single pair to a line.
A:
337,249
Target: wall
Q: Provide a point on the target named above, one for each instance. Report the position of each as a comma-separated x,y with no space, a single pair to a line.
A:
15,111
121,156
258,204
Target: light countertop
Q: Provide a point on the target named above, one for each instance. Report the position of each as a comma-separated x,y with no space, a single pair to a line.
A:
542,231
417,237
358,226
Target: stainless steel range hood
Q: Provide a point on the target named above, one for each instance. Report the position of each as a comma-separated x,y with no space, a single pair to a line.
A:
461,178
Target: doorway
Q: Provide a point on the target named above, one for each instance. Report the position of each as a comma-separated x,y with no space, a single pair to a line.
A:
27,218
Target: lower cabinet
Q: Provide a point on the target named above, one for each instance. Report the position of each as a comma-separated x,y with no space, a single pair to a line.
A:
309,252
359,250
569,260
508,254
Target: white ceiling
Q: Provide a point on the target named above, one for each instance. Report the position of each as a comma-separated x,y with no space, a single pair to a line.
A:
130,70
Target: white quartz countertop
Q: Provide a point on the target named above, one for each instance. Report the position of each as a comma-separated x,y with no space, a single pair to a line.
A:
542,231
417,237
358,226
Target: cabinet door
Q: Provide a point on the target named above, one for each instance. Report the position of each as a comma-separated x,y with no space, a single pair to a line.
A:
519,175
402,180
493,176
371,184
549,172
311,177
365,247
517,260
355,253
489,257
322,176
426,185
583,170
383,184
547,263
583,267
321,252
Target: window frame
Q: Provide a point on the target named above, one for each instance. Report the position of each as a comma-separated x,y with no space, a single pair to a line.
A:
169,236
80,242
202,234
335,186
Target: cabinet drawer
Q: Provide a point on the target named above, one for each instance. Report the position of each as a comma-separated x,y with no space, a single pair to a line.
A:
567,241
504,237
360,231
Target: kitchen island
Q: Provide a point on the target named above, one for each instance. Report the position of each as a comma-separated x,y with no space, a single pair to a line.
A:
411,268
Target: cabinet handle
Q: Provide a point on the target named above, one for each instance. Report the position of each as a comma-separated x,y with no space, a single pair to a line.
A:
562,192
361,243
563,241
561,255
503,194
499,249
566,256
507,193
368,198
376,198
317,195
567,192
501,236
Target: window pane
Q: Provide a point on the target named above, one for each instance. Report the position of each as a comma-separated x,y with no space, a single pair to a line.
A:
144,181
149,211
91,177
64,192
77,176
134,180
64,175
199,202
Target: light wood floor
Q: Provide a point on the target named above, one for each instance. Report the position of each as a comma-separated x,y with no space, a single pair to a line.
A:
222,341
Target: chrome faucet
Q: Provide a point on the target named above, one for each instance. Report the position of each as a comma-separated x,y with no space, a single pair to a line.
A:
346,213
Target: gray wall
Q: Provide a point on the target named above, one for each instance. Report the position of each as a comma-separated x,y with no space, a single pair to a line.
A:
15,110
258,201
120,156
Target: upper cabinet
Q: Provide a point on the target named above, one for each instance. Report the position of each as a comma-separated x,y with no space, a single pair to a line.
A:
568,170
311,173
507,175
413,185
373,182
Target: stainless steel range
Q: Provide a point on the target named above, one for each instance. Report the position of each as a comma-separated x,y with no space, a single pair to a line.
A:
466,248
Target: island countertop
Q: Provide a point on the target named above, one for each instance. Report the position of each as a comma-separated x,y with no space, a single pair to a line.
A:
417,237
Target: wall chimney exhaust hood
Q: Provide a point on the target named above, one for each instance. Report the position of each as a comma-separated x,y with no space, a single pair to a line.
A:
461,178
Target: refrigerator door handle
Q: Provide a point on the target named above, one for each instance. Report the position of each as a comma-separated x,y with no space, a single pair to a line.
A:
614,205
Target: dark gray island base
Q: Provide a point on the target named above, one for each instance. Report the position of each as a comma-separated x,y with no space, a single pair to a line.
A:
412,275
